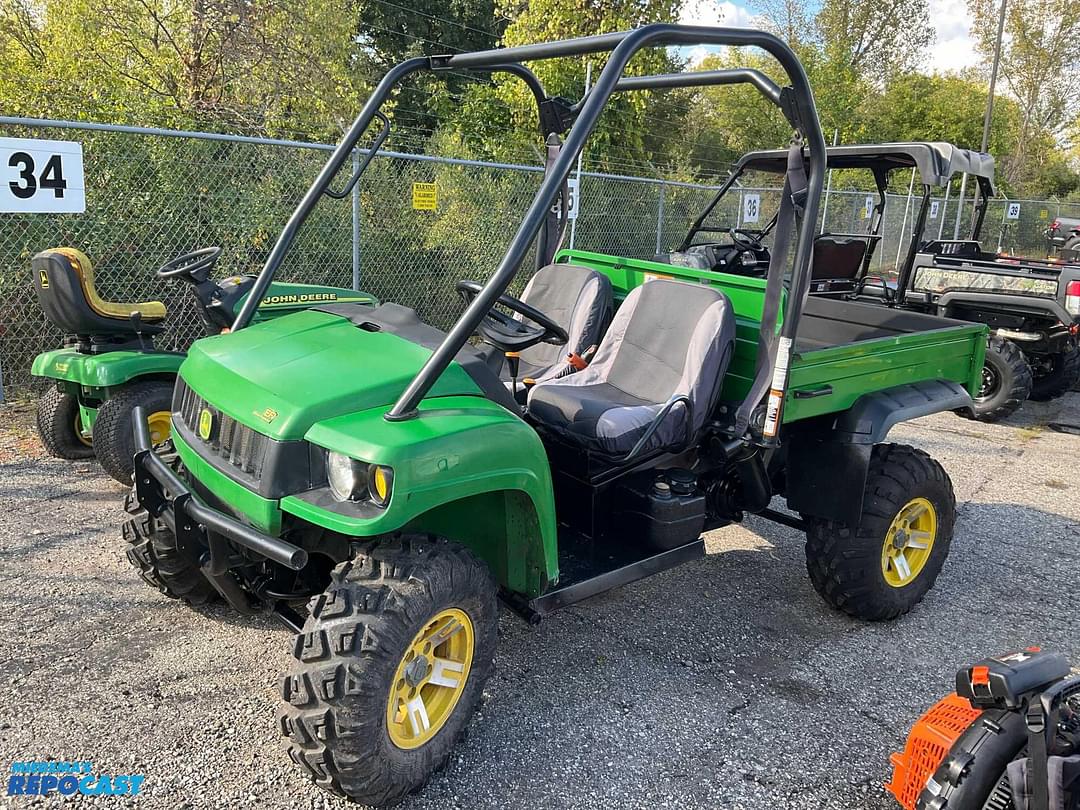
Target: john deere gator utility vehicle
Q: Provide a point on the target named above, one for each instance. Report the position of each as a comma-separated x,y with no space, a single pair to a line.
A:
398,479
1032,306
109,364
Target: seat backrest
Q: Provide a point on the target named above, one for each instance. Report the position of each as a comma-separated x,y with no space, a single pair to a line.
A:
577,298
64,283
838,257
667,338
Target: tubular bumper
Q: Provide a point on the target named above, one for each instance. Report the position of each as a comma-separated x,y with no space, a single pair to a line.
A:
197,527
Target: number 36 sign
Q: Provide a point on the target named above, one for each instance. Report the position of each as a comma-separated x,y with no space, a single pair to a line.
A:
41,177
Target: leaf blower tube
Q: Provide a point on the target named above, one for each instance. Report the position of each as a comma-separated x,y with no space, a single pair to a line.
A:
1007,739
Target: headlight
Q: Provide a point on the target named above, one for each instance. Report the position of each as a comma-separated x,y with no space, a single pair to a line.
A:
380,484
348,477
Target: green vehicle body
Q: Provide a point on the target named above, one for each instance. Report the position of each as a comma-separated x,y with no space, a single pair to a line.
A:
466,469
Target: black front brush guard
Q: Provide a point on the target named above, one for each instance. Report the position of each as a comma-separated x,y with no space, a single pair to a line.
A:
200,531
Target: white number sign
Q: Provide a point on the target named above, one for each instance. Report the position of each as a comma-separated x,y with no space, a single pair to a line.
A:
751,207
1012,211
41,177
572,193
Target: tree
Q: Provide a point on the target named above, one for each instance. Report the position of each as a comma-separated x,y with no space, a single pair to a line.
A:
259,66
631,133
1040,67
390,31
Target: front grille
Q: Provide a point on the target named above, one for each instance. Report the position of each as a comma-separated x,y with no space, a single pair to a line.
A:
230,440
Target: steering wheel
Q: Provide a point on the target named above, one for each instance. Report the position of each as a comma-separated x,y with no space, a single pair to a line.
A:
507,333
745,240
194,266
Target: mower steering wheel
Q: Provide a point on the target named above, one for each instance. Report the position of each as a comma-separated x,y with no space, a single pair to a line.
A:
745,240
507,333
194,266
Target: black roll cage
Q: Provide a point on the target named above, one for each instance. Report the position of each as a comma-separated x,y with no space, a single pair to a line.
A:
881,160
796,102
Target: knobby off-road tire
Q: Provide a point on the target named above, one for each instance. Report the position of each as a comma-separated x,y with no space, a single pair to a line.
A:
150,549
1007,382
1059,380
114,440
848,564
339,694
58,425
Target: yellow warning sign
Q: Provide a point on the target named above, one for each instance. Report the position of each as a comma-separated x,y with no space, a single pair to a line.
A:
1044,214
425,196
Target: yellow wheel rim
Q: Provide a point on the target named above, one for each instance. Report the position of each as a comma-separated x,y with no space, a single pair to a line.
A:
430,679
909,542
160,426
81,434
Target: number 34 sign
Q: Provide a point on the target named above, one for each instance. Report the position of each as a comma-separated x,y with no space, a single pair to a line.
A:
41,177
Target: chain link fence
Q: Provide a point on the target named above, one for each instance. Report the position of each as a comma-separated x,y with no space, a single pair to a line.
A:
153,194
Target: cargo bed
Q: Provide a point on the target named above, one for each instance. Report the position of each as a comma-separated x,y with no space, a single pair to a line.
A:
844,349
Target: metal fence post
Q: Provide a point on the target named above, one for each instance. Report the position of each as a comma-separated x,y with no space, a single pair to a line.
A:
356,223
660,216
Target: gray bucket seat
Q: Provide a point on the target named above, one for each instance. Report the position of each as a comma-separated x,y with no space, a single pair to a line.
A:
577,298
669,338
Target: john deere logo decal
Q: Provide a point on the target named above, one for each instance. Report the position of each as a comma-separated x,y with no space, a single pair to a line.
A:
206,424
44,279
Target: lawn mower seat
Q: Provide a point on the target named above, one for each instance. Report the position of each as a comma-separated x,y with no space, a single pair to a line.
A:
668,338
575,297
64,282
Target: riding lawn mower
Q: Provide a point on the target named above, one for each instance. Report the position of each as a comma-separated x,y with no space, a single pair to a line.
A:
108,364
1008,738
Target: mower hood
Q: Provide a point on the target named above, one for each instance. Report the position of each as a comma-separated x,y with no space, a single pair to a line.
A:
282,376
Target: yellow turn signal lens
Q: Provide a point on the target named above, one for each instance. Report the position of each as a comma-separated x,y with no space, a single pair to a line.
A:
382,483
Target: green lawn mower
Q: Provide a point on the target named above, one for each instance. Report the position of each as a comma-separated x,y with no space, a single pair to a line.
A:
1008,738
380,484
108,364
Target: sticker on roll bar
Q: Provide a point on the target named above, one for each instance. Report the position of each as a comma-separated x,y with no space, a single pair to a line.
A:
776,393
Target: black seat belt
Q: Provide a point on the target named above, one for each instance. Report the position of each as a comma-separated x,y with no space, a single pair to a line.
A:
787,217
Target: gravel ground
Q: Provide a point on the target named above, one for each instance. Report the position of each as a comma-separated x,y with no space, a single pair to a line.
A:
726,683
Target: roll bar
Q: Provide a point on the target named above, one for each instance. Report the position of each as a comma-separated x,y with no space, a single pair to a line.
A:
796,101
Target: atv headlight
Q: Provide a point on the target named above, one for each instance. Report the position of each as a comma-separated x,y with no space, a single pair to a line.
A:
348,478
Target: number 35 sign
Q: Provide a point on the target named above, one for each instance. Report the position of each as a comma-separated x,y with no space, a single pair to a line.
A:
41,177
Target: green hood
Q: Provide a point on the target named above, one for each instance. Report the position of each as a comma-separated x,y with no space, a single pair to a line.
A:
282,376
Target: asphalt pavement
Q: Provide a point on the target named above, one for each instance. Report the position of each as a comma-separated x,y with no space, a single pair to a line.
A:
726,683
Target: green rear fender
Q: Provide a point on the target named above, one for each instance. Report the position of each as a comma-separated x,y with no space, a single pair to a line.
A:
103,370
465,469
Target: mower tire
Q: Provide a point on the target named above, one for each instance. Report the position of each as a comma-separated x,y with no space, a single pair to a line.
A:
1006,382
152,550
59,425
1062,374
884,565
390,665
114,440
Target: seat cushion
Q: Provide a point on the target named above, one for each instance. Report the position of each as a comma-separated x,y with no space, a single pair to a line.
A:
64,283
598,415
668,338
578,299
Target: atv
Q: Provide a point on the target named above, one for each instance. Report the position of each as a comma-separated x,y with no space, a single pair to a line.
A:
1008,738
1032,306
379,484
109,365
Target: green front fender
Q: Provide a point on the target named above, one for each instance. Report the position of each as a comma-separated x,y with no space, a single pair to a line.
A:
466,469
103,370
